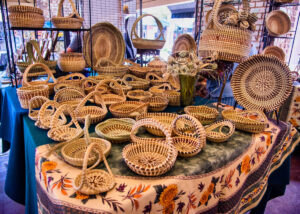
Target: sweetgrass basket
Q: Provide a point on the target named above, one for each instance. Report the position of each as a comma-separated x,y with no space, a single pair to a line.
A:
109,68
26,93
69,96
89,84
60,86
35,104
156,103
74,79
204,114
215,133
173,97
138,95
154,79
159,90
139,71
71,62
130,109
124,85
135,82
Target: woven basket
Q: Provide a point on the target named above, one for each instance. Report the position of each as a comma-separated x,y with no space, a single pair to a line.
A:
184,42
204,114
75,79
139,71
159,90
40,82
231,43
138,95
60,86
96,113
135,82
140,43
46,113
187,144
115,130
158,66
73,21
130,109
274,51
278,23
89,84
150,158
124,85
73,152
71,62
156,103
249,121
173,97
64,132
108,96
109,68
34,106
94,181
26,16
26,93
69,96
154,79
214,132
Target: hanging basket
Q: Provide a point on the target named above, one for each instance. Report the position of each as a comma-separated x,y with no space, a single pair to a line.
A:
215,133
26,93
204,114
34,106
278,23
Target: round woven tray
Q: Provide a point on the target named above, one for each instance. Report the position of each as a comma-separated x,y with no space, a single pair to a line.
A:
261,82
184,42
130,109
215,133
156,103
204,114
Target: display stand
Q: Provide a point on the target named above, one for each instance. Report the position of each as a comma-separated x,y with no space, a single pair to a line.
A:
147,52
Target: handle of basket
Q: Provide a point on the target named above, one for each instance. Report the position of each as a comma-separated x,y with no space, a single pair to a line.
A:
152,76
138,107
87,97
42,111
71,77
32,103
132,63
60,6
159,25
165,87
45,67
101,61
107,82
60,111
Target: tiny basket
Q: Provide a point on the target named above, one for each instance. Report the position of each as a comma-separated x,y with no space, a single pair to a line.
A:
73,21
249,121
215,134
35,104
74,79
130,109
154,79
26,93
71,62
107,94
150,158
124,85
115,130
135,82
138,95
156,103
204,114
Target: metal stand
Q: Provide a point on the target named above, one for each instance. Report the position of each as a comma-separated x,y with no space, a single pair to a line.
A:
147,52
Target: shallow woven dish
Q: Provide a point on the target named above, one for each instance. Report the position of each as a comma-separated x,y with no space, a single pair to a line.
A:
115,130
215,134
278,23
71,62
25,94
274,51
109,38
249,121
32,18
138,95
150,158
261,82
109,68
130,109
139,71
156,103
184,42
204,114
135,82
34,106
154,79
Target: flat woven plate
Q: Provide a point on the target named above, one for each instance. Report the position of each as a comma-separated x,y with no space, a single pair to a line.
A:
107,42
261,82
184,42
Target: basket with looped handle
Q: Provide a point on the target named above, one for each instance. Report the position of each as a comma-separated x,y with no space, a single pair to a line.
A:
36,71
138,95
188,144
96,113
253,121
46,113
150,158
73,21
40,82
158,66
159,90
89,84
34,106
140,43
124,85
107,94
154,79
60,86
136,69
73,151
94,181
26,93
156,103
115,130
231,43
69,96
135,82
130,109
66,132
204,114
107,67
75,79
215,132
71,62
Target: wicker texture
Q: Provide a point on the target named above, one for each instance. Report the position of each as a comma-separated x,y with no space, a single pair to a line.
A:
184,42
249,121
278,23
26,93
141,43
261,82
138,71
138,95
115,130
274,51
26,16
159,90
156,103
71,62
34,106
215,133
204,114
89,84
108,96
173,97
150,158
158,66
130,109
135,82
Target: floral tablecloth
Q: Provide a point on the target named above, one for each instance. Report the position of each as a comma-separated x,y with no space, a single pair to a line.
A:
223,178
293,115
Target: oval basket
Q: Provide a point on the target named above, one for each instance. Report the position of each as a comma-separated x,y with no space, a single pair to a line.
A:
215,133
69,96
74,79
130,109
60,86
156,103
138,95
160,89
154,79
135,82
26,93
204,114
116,88
184,42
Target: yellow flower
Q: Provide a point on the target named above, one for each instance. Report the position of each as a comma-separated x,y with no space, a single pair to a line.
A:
48,166
204,198
169,208
168,194
245,168
210,188
81,196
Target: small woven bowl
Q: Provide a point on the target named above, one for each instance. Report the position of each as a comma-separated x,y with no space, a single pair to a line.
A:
25,93
135,82
71,62
130,109
173,97
204,114
274,51
278,23
215,134
186,146
156,103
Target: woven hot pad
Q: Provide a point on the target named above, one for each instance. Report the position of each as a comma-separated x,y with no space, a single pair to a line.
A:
261,82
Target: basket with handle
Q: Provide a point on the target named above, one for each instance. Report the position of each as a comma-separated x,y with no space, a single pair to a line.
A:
215,133
60,86
89,84
96,113
159,90
73,21
154,79
136,82
73,152
107,67
26,93
188,144
75,79
141,43
69,96
231,43
40,82
35,104
138,95
124,85
156,103
66,132
150,158
130,109
108,96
